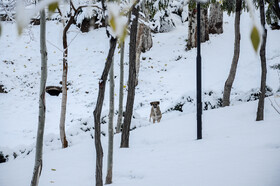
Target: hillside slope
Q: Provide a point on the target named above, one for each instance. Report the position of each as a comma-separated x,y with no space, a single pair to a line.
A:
232,152
235,149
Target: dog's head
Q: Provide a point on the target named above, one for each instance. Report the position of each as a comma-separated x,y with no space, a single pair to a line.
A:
154,104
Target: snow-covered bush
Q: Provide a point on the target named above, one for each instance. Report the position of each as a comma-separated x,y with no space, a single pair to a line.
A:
90,16
159,14
7,10
212,100
162,22
180,8
187,103
252,95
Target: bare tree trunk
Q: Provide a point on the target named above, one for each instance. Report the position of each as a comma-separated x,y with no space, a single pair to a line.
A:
216,19
64,85
120,114
42,105
144,43
231,76
111,128
192,28
139,41
131,79
98,110
204,25
260,112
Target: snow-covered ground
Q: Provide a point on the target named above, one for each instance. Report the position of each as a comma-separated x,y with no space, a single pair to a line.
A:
235,150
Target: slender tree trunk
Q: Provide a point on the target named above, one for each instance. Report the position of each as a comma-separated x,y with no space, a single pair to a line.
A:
111,128
231,77
260,112
139,41
216,19
120,114
98,110
64,85
131,79
42,105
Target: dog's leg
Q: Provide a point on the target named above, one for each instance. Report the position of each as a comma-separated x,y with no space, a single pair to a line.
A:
151,114
154,120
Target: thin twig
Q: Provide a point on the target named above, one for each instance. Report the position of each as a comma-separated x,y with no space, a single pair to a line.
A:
274,106
71,4
72,40
54,46
276,103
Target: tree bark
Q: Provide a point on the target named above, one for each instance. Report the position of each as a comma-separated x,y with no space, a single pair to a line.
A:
192,28
120,114
139,41
98,110
143,43
204,25
231,76
260,112
131,79
64,84
216,19
111,128
42,104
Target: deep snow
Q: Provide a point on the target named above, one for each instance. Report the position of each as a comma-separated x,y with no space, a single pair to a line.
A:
235,150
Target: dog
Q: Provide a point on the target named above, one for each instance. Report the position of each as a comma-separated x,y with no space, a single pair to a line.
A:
155,112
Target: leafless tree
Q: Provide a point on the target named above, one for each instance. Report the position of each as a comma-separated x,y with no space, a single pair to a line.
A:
260,112
97,112
110,128
65,71
42,105
131,79
120,114
231,76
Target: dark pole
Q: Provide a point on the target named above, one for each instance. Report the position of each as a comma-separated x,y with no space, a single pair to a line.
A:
198,78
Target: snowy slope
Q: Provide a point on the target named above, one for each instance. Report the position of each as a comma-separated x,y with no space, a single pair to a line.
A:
232,152
235,150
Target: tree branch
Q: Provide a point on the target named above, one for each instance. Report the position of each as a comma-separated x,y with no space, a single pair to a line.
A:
274,106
